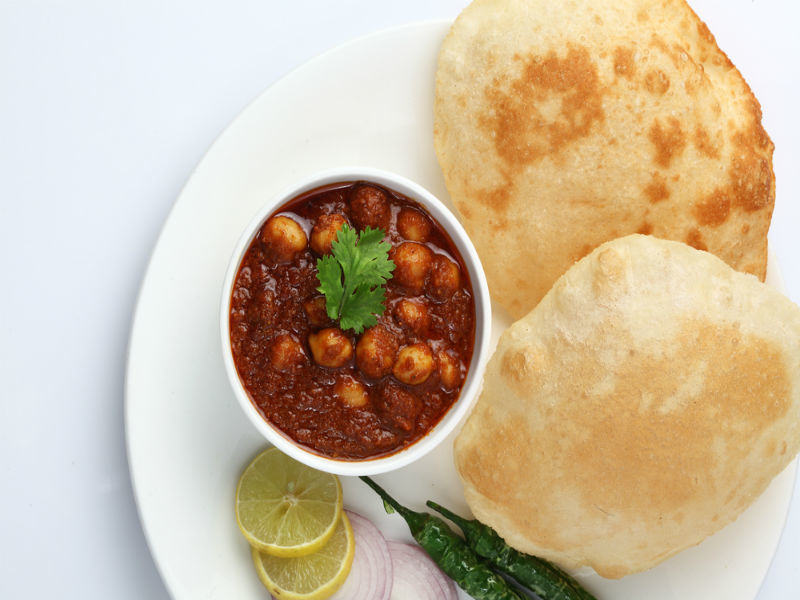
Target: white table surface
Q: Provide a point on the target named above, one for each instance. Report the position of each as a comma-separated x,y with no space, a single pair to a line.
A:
105,108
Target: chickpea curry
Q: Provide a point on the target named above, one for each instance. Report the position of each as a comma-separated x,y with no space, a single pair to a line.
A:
343,394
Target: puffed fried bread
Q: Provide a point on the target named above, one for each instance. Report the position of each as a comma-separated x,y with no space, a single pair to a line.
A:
561,125
648,399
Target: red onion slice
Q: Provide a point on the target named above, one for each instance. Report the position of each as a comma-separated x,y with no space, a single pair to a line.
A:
370,576
416,576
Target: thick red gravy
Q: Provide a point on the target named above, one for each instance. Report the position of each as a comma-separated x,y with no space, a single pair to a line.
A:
360,409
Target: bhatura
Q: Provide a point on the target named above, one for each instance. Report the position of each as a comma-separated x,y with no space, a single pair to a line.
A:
647,400
562,125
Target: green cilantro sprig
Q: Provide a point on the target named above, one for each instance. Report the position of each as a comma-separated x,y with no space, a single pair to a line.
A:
352,277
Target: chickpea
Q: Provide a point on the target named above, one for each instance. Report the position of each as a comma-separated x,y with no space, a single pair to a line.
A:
413,315
413,225
286,352
369,207
325,231
414,364
330,347
449,370
350,391
284,237
412,265
316,311
375,352
444,279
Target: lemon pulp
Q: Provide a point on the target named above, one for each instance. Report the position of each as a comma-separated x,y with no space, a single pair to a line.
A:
313,576
285,508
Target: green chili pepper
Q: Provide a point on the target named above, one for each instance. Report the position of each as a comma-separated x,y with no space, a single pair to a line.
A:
450,552
544,579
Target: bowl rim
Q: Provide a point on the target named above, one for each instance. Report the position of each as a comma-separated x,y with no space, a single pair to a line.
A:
483,322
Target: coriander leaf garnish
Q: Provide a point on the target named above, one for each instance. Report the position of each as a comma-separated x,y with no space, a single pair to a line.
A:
362,309
352,277
329,274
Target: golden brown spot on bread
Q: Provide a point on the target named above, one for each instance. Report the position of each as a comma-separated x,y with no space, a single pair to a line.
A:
645,228
695,240
751,173
642,16
516,307
501,224
657,189
756,133
719,58
750,185
714,210
624,65
705,33
585,250
704,144
514,454
758,269
673,53
611,274
630,464
691,84
646,443
514,365
656,82
498,197
668,139
522,367
521,132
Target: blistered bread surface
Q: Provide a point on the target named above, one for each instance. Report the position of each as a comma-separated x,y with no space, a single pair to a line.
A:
562,125
647,400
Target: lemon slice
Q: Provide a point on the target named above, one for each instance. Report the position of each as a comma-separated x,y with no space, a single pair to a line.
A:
285,508
311,577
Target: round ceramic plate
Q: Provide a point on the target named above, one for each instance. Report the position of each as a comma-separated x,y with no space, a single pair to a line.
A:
366,103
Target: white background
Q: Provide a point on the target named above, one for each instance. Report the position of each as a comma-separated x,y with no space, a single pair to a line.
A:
105,108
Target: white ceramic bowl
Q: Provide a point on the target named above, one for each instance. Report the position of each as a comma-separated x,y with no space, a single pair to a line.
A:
483,322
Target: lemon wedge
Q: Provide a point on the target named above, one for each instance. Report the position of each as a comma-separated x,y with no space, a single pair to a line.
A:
314,576
285,508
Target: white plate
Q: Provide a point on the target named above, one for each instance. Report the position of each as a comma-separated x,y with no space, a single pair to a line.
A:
367,102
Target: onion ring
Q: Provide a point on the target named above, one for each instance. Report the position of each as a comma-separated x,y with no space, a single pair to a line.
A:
416,576
371,575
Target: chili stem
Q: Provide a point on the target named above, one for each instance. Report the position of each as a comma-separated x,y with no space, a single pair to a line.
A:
412,518
450,552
